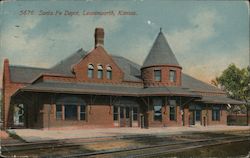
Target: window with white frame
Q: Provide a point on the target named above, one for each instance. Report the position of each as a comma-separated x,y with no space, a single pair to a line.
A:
90,71
99,72
109,72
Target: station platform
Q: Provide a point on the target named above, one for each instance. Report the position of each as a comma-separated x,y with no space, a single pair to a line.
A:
36,135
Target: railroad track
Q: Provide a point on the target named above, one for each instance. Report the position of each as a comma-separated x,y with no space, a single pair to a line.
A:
149,151
75,143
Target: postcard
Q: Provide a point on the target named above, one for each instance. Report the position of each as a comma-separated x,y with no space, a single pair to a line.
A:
139,78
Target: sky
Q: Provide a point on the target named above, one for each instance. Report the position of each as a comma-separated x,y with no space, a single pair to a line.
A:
205,36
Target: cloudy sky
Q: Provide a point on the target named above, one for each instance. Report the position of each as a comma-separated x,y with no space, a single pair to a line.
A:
206,36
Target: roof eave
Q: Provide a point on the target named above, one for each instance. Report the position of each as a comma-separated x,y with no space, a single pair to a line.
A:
161,65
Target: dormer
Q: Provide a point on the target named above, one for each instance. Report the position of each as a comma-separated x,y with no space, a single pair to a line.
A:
161,67
98,66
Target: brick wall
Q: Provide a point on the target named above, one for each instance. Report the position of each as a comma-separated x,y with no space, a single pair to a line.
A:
97,116
186,115
96,57
166,122
223,117
206,116
9,88
100,115
148,76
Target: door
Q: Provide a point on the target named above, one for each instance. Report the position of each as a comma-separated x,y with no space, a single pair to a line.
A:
191,117
198,117
125,117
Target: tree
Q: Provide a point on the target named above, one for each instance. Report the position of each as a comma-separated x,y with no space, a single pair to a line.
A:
236,82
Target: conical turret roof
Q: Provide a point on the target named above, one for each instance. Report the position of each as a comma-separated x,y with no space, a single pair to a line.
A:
160,53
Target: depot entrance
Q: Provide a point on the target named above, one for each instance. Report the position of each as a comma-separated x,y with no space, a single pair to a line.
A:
125,117
195,115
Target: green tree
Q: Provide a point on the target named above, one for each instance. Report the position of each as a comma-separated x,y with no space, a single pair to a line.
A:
236,82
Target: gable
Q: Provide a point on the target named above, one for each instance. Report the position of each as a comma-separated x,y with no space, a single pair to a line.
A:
98,56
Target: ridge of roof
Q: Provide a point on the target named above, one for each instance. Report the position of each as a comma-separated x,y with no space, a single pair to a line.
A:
160,53
79,53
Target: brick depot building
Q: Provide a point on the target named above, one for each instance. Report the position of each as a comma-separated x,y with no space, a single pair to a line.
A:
96,89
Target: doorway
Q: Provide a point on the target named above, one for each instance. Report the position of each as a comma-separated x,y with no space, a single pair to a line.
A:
18,115
191,117
195,117
198,117
125,117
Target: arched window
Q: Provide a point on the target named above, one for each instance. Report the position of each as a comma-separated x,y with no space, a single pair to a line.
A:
109,72
100,72
90,71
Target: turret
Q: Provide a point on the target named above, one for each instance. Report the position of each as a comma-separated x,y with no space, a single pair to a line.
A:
161,67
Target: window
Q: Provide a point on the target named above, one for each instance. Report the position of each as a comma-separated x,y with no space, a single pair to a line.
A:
135,113
172,110
100,72
90,71
82,112
172,75
115,113
157,103
70,112
216,113
58,112
157,74
109,72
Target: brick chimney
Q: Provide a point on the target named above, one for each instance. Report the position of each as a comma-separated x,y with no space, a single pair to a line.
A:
99,37
6,70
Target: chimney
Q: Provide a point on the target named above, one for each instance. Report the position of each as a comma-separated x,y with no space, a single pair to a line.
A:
99,37
6,71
